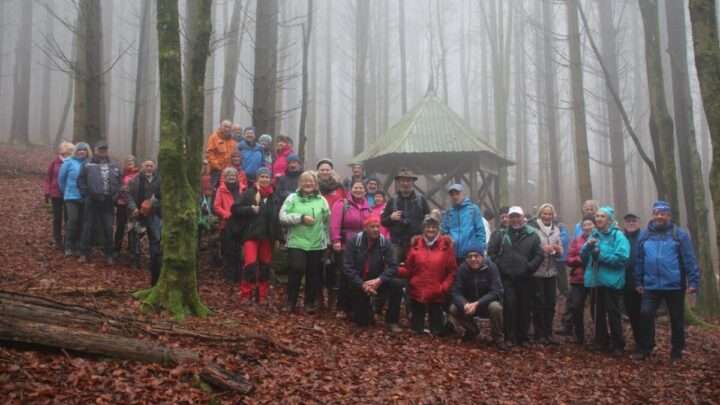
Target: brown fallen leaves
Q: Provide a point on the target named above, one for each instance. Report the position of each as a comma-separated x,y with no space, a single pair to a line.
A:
337,362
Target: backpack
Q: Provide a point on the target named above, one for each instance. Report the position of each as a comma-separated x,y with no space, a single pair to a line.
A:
358,240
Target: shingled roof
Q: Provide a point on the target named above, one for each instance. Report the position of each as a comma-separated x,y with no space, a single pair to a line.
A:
431,136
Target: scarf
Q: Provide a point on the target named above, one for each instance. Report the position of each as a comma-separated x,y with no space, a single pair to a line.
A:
265,191
431,243
547,230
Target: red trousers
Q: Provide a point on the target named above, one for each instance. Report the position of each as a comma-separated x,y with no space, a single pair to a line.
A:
257,251
256,269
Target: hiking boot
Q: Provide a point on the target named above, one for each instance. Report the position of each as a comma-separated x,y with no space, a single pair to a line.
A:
551,341
110,261
68,252
311,308
82,259
675,357
617,352
393,328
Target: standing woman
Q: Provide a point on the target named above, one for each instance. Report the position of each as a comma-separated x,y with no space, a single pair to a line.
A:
307,215
257,214
227,195
52,190
346,221
578,292
430,269
67,181
130,170
545,278
606,252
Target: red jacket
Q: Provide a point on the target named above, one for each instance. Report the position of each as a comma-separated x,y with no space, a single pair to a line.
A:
128,175
334,196
224,201
430,270
279,166
577,267
51,187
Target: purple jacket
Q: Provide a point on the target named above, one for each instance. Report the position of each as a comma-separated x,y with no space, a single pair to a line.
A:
346,218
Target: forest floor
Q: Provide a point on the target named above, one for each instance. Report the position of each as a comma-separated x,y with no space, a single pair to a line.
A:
336,363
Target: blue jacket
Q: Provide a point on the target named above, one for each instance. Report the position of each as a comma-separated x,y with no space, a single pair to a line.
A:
253,158
68,176
665,259
565,239
606,264
465,226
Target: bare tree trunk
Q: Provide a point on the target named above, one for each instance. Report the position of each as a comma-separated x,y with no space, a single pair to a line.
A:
89,114
362,20
139,124
403,58
661,123
312,119
609,37
443,49
690,170
386,82
553,149
464,68
520,112
47,85
582,154
307,35
107,46
20,133
209,85
265,77
329,82
233,48
544,101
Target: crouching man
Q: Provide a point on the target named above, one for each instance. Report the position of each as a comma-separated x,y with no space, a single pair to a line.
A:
477,293
369,265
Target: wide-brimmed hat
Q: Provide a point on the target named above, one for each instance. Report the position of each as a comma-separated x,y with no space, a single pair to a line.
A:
406,174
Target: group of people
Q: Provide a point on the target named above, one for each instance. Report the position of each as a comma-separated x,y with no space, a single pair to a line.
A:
359,253
94,200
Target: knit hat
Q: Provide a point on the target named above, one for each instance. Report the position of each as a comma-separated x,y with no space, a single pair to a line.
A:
265,139
82,146
661,206
609,211
473,246
432,218
372,219
262,171
293,158
325,160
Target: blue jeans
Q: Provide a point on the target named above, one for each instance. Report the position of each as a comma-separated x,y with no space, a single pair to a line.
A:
675,301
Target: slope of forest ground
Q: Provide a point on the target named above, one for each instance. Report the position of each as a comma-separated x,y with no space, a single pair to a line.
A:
335,363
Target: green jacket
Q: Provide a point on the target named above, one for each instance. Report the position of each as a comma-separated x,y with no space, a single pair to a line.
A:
301,236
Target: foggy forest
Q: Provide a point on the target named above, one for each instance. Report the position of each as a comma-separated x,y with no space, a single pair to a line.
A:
566,101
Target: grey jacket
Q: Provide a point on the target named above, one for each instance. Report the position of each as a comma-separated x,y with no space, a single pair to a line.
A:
100,179
548,267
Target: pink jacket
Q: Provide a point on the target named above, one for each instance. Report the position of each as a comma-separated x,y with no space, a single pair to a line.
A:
279,166
378,210
346,219
51,187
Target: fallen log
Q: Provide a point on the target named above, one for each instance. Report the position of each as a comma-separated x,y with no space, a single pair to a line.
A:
119,347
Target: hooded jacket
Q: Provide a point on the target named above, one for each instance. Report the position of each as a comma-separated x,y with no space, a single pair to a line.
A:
368,260
430,270
575,262
482,285
332,191
68,178
346,219
605,264
665,259
517,252
224,200
100,179
548,267
247,224
464,224
253,158
219,150
51,188
306,237
414,209
279,166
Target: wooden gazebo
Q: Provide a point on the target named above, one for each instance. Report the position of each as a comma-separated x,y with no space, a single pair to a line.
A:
436,143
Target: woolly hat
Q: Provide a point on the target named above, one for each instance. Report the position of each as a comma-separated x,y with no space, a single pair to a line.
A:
293,158
610,211
82,146
262,171
372,219
661,206
265,139
326,160
473,246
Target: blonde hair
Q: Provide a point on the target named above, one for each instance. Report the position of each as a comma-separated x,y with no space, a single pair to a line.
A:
229,171
543,206
66,147
309,174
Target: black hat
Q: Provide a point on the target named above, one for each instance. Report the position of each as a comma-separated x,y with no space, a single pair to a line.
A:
630,215
406,174
326,160
101,145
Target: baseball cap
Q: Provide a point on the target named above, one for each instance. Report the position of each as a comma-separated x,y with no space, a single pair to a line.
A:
516,211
